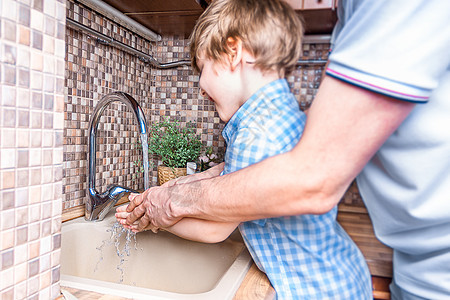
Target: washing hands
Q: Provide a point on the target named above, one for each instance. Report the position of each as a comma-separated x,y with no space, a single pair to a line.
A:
122,214
152,209
171,208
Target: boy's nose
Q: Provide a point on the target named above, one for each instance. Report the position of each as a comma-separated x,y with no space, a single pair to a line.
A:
205,95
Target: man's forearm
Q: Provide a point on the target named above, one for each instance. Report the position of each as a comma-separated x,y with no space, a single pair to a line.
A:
251,193
212,172
346,125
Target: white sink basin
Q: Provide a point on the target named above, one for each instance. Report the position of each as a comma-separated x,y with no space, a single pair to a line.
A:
162,267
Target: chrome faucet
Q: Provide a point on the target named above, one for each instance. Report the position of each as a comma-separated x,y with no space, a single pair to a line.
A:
98,205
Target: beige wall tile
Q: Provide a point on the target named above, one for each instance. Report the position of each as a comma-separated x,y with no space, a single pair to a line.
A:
20,290
30,80
7,278
20,254
7,240
20,272
33,249
8,219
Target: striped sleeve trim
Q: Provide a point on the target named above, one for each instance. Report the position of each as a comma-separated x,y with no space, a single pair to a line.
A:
376,87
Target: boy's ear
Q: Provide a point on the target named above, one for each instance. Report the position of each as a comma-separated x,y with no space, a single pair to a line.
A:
234,51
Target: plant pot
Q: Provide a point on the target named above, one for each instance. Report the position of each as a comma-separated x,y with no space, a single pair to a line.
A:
166,173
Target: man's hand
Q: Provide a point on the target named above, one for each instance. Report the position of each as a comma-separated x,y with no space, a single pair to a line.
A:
122,215
149,210
153,209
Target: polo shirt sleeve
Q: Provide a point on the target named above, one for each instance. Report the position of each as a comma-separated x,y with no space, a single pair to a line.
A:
397,48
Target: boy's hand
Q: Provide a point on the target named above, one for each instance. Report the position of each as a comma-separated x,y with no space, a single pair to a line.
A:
122,214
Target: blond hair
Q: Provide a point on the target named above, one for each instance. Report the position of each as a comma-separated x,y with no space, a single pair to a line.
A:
269,29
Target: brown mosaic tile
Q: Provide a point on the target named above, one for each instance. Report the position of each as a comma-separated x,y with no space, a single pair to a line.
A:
352,197
9,117
21,235
36,40
21,216
22,177
33,267
55,275
9,54
8,74
7,258
9,30
23,118
7,200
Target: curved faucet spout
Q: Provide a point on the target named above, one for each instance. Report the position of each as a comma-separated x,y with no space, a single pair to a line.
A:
97,205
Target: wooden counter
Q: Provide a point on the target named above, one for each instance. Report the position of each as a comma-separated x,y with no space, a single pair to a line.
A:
256,286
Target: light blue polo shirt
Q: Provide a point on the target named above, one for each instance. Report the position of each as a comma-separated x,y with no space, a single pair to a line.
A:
402,49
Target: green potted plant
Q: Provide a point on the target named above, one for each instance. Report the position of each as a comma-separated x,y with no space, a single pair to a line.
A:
175,145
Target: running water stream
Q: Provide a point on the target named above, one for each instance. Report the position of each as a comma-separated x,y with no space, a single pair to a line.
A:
144,142
116,231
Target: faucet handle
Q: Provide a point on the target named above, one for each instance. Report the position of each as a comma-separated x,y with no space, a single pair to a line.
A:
109,198
114,190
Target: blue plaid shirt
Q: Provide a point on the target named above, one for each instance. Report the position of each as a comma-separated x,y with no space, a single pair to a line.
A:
305,256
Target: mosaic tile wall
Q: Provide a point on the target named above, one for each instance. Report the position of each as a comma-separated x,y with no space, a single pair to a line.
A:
31,123
94,70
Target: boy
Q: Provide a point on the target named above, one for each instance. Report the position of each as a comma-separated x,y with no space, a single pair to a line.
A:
242,50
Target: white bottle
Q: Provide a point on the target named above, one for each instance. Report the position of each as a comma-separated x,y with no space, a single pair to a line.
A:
190,168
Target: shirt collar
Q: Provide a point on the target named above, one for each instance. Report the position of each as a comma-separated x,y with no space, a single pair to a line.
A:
265,93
